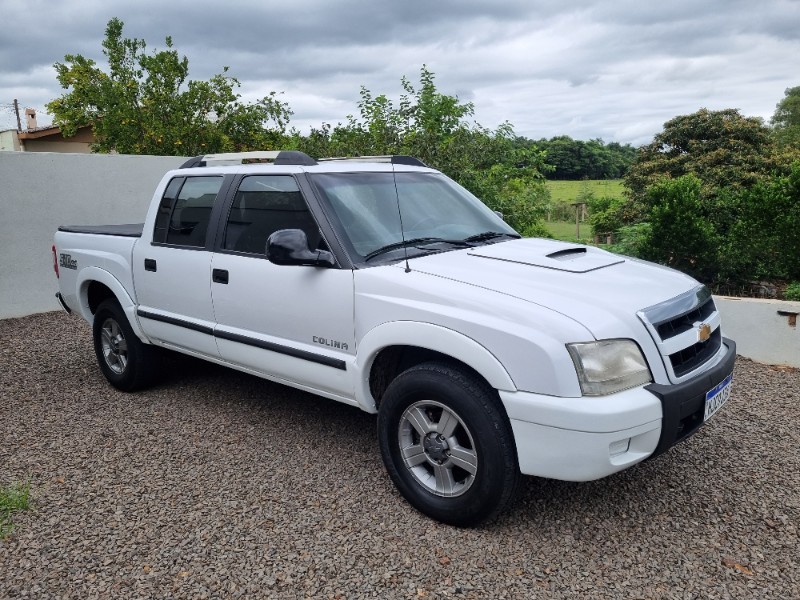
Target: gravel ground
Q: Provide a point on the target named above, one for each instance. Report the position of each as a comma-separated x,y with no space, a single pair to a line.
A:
219,485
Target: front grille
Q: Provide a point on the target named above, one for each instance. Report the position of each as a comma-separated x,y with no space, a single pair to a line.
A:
692,357
678,325
674,326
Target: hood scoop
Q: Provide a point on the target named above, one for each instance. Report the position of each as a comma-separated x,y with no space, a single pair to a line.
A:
549,255
568,253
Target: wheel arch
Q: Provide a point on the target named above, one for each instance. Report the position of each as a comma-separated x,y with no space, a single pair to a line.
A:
391,348
96,285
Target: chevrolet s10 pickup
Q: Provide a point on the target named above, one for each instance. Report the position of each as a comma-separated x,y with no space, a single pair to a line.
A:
383,284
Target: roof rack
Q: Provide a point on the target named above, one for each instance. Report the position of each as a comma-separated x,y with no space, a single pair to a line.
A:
277,157
395,159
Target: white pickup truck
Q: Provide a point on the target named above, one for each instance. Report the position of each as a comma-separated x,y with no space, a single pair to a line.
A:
383,284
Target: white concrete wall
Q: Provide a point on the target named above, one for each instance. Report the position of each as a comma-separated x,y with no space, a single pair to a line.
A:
759,331
40,191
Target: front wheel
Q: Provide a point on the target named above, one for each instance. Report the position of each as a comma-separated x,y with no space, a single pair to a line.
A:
447,444
127,363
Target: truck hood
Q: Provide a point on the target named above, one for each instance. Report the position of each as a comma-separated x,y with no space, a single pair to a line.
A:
598,289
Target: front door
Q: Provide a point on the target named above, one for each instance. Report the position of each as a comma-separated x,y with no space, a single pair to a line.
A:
292,323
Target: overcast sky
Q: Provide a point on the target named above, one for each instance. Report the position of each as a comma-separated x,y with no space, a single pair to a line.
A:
610,69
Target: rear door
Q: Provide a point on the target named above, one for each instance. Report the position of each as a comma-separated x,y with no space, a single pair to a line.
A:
292,323
172,273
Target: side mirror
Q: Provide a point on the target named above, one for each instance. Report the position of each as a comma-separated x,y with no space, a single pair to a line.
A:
499,214
290,247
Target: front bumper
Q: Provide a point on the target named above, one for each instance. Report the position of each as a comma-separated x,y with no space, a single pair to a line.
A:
581,439
683,404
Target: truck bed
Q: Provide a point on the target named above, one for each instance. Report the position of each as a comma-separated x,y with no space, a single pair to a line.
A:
128,230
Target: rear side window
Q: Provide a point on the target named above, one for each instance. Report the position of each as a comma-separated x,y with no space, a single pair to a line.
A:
185,210
263,205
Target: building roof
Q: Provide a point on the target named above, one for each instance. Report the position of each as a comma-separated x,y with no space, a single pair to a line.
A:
39,132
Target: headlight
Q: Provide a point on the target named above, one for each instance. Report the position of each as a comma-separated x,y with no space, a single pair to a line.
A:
609,366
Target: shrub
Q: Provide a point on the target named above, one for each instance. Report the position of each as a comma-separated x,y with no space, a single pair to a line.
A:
681,234
537,229
766,234
631,239
606,214
792,291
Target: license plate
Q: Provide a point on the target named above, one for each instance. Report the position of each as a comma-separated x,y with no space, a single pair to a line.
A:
718,396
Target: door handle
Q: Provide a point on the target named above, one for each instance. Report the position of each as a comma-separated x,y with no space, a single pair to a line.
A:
219,276
150,265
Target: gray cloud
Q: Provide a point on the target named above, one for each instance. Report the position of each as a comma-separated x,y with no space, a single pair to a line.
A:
616,70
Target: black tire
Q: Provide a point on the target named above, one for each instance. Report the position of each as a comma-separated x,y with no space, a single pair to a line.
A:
447,444
127,363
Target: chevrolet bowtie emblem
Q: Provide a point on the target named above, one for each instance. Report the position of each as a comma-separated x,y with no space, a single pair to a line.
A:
703,332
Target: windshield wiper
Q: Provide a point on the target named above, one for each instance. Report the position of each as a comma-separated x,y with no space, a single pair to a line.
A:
413,242
466,242
489,235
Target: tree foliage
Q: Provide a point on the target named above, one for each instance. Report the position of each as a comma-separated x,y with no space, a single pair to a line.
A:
493,164
762,228
786,120
607,214
714,195
146,104
739,235
592,159
721,148
681,235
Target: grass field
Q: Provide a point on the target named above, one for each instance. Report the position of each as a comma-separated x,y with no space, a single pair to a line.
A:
562,230
568,191
565,192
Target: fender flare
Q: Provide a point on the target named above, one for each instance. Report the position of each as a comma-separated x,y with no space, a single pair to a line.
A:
89,275
432,337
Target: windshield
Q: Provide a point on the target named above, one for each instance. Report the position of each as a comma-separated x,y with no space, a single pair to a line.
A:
431,205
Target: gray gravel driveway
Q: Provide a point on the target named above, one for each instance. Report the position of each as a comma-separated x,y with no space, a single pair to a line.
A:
219,485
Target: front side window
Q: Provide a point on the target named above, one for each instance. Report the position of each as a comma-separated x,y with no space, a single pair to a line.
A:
263,205
185,210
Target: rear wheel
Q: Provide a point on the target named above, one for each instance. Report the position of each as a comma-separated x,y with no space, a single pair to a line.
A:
447,444
127,363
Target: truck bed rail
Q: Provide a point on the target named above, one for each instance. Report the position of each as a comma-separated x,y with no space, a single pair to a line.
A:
128,230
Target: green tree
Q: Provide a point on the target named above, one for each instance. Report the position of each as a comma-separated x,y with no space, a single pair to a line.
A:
717,196
763,239
606,214
680,234
146,103
786,120
426,124
738,235
721,148
495,165
433,121
593,159
513,186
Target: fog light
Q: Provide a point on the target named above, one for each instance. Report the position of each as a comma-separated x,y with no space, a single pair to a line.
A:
619,447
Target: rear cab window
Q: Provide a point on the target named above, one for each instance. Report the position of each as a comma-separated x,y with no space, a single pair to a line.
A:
185,211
